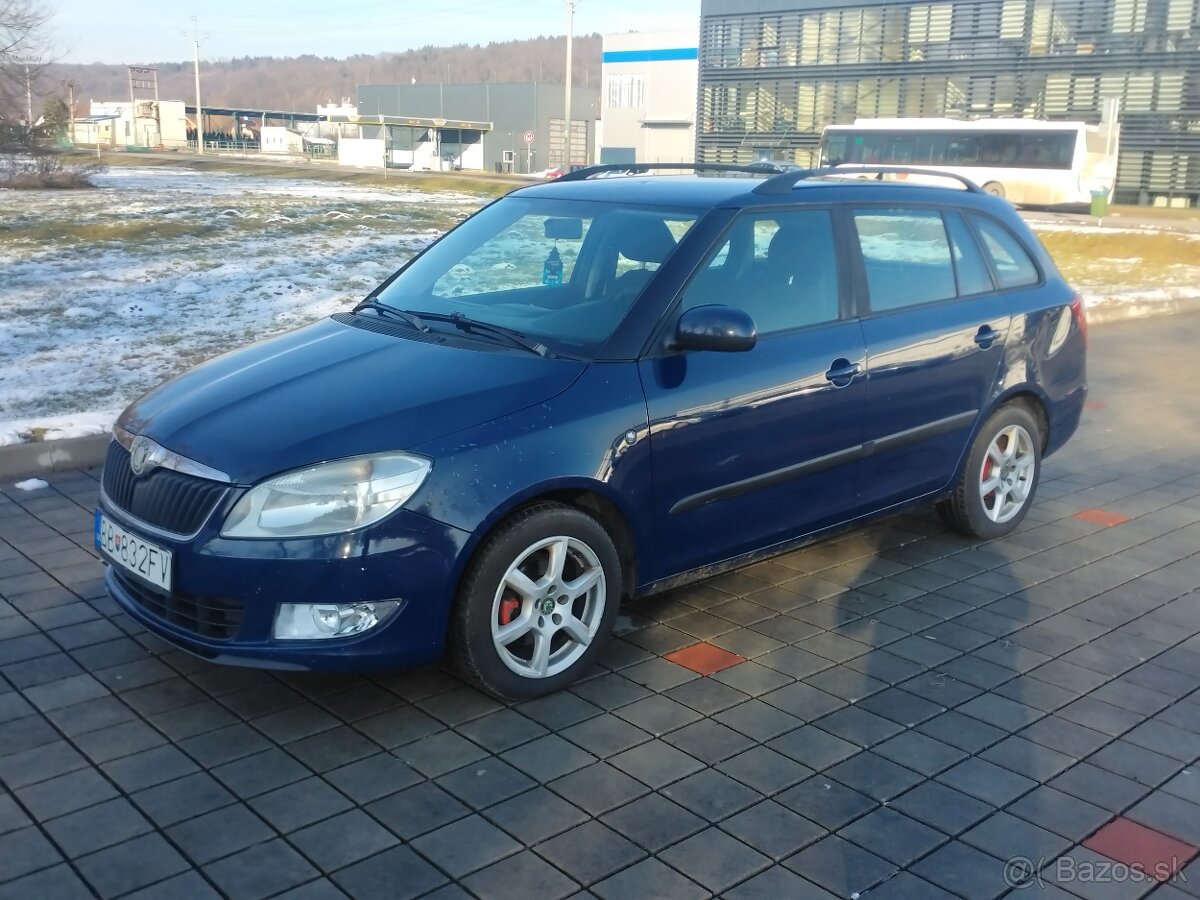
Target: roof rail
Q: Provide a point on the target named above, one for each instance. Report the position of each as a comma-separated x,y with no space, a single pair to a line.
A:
785,181
759,168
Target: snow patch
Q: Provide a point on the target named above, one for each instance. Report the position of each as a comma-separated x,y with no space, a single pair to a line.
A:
31,484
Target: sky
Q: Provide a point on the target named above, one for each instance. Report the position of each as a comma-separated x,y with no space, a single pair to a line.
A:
142,31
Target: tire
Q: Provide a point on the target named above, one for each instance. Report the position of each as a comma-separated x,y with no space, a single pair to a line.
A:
995,188
1012,475
523,626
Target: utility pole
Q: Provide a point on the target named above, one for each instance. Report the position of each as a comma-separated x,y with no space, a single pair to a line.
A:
196,72
567,88
72,84
28,100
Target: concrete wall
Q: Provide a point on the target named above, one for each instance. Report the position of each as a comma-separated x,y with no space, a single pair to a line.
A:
278,139
648,96
512,108
362,152
164,127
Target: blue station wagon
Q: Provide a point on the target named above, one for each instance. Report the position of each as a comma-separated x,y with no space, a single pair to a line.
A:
590,391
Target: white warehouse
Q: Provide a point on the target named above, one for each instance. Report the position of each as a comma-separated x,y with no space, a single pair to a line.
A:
648,97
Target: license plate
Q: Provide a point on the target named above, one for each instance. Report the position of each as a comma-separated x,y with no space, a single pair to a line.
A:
133,554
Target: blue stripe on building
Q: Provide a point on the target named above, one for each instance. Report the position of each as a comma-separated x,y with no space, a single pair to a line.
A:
620,56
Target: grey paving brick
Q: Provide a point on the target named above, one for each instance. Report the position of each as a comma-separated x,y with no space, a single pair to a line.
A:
765,770
518,877
549,757
299,804
535,815
219,833
23,851
709,741
1066,737
871,774
59,882
656,763
465,846
130,865
715,859
859,726
920,753
658,714
1099,786
778,882
706,696
711,795
417,810
906,886
260,870
803,701
840,867
344,839
1061,813
1171,815
653,822
894,836
66,793
649,878
598,788
964,871
485,782
190,885
773,829
395,874
942,807
986,781
827,802
1027,758
371,778
1131,761
502,730
1005,836
590,852
149,767
813,747
11,816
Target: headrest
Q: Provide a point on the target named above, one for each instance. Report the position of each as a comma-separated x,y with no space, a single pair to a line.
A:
644,239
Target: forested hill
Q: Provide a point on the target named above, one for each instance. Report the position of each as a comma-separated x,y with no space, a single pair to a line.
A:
300,83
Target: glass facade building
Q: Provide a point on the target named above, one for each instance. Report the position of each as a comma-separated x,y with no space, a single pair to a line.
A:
774,73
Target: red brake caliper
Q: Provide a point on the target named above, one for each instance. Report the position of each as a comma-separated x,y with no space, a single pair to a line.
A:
508,610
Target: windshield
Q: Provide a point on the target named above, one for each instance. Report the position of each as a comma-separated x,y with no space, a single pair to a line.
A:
560,272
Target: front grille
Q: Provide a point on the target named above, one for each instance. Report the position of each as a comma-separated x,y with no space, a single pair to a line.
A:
164,498
210,617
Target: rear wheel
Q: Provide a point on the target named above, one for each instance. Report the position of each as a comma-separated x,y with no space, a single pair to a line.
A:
996,487
995,188
537,603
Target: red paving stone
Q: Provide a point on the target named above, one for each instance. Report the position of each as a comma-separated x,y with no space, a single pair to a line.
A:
1156,854
1092,404
704,658
1102,516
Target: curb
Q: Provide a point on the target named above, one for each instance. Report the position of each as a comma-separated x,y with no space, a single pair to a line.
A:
39,457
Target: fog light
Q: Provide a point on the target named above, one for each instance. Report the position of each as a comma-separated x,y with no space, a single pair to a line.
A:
316,621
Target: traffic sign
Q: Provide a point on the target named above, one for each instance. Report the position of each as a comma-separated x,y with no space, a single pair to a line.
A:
528,136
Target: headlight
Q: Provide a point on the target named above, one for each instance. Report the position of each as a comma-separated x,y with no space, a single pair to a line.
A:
327,499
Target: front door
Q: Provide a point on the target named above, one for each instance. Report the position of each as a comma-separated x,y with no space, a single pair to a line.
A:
753,448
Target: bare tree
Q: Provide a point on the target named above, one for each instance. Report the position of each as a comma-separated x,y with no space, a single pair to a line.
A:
22,50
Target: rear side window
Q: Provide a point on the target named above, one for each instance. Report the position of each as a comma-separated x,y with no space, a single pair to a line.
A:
1010,260
907,257
972,271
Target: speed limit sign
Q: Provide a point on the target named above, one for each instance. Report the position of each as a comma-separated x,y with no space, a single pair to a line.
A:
528,136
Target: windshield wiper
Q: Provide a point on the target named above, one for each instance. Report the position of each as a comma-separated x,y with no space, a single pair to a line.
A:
391,312
474,326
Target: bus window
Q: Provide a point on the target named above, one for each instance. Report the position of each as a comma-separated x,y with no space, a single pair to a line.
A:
835,149
999,148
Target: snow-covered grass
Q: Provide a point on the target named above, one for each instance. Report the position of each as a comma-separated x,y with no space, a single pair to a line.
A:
106,293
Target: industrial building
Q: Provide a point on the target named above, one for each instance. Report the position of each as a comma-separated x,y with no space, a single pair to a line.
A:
648,97
138,123
496,117
774,73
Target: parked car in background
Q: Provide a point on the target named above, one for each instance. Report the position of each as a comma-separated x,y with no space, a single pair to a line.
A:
590,391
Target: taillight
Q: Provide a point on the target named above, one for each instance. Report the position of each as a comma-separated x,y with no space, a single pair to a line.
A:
1080,316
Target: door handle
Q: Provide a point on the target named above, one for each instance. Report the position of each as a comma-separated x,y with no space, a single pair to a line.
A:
841,372
986,336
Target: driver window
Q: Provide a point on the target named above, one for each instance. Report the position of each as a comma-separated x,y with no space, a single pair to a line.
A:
520,256
778,267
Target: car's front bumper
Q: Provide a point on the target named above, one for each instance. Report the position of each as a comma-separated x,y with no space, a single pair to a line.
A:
407,557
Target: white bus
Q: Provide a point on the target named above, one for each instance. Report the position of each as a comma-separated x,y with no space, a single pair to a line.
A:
1029,161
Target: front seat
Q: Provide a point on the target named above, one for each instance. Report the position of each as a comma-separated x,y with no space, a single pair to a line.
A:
645,240
799,284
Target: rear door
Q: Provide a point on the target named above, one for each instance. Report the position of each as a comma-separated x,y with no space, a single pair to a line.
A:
935,328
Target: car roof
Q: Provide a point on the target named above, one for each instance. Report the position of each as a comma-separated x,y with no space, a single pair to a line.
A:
706,192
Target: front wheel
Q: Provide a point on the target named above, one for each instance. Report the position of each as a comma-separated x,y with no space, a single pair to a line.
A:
996,487
537,603
996,189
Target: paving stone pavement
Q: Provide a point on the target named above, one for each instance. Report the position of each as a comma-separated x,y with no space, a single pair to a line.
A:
910,716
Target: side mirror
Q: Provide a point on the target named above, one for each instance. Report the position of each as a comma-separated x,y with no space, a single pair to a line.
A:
720,328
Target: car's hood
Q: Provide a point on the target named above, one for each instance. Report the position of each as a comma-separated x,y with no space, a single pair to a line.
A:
332,390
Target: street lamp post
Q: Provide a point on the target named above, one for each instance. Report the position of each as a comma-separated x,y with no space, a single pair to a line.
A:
567,88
